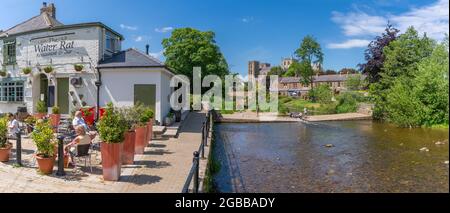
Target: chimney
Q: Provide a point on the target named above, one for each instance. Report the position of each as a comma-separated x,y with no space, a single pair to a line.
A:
147,47
50,9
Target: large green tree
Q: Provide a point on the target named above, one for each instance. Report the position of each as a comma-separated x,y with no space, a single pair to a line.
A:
188,48
309,53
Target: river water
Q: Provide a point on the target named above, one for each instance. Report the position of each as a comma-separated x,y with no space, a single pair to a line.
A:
353,156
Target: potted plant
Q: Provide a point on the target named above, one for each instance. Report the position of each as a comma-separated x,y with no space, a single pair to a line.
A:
26,70
48,69
147,117
169,119
141,130
55,117
3,73
43,138
5,146
111,129
131,119
78,67
41,109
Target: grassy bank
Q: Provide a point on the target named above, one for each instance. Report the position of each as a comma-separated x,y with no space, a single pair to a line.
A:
212,167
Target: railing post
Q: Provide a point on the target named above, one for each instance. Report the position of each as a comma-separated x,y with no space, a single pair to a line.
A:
19,148
60,171
202,145
196,171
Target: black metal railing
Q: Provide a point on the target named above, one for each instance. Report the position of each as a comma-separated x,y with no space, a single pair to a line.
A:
193,175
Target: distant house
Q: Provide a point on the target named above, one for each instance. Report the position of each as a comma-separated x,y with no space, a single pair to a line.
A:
291,86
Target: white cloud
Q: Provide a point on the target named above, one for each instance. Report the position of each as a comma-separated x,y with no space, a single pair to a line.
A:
359,23
138,39
127,27
247,19
164,29
157,55
432,19
352,43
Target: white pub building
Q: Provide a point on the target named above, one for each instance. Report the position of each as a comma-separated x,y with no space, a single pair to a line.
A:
108,73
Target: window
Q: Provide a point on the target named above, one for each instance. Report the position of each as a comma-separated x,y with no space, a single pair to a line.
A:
110,43
11,91
9,52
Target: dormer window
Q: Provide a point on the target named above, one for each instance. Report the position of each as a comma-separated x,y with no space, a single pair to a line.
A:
111,43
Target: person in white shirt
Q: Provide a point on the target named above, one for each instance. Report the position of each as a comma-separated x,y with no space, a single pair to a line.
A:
13,125
79,121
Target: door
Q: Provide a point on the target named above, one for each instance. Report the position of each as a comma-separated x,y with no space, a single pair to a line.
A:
63,95
145,94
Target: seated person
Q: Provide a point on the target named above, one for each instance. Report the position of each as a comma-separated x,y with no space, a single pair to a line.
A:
81,139
79,121
13,125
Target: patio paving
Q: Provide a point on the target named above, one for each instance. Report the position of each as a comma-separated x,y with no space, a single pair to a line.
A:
162,168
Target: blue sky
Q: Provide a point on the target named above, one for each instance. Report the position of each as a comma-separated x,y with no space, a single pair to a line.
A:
250,29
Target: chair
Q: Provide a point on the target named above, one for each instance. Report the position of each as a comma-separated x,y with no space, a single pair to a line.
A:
83,152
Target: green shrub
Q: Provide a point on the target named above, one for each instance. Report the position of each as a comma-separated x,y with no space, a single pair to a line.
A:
48,69
43,138
112,126
27,70
3,132
55,110
326,109
347,102
41,107
321,94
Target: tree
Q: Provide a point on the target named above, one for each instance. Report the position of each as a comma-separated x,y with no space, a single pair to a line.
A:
355,82
310,50
276,71
188,48
345,71
330,72
374,54
322,94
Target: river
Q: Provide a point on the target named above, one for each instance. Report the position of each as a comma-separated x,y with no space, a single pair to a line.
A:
350,156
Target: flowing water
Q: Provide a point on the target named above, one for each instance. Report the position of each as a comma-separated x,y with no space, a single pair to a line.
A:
353,156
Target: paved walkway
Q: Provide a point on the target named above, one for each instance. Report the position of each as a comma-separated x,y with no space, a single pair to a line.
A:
339,117
163,168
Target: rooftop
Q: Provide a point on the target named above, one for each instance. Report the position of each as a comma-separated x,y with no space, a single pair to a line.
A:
130,58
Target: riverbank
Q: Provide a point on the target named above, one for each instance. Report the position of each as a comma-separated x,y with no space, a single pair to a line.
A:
253,117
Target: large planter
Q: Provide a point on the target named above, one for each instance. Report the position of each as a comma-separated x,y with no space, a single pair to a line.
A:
140,140
128,148
39,115
111,160
54,119
150,130
5,153
45,164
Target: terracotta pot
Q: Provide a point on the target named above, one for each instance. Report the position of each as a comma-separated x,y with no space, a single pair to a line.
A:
39,115
66,161
128,148
140,144
150,130
5,153
45,164
111,160
54,119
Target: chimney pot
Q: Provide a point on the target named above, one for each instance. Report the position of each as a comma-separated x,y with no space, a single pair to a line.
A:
50,9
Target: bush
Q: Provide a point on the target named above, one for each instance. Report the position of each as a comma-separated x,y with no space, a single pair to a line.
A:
3,132
43,138
112,126
55,110
326,109
347,102
48,69
41,107
26,70
321,94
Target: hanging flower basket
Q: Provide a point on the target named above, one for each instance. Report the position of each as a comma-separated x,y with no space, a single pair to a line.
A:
48,69
78,67
3,73
26,70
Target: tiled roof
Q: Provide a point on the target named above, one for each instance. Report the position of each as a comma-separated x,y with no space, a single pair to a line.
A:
42,21
130,58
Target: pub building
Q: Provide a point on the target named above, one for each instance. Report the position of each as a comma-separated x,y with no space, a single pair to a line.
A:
108,74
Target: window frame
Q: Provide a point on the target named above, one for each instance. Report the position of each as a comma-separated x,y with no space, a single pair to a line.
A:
9,51
12,91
